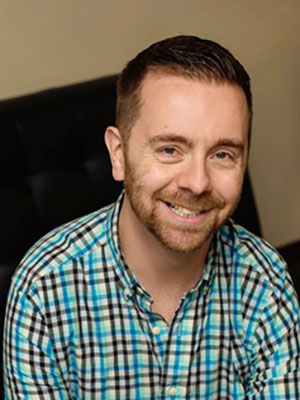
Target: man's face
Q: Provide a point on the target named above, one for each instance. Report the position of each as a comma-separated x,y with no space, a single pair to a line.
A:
185,159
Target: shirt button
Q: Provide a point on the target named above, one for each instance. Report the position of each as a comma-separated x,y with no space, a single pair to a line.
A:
127,293
156,330
172,391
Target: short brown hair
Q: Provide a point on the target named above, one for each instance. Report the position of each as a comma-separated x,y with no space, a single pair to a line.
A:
188,56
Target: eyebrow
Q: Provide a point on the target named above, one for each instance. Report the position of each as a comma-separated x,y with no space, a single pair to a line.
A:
173,138
236,144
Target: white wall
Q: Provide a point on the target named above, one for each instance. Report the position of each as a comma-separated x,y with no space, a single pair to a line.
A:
55,42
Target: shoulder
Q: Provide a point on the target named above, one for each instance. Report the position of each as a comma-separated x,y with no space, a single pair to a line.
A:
257,251
261,289
256,262
61,246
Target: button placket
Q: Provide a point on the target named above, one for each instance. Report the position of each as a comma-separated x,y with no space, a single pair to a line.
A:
158,338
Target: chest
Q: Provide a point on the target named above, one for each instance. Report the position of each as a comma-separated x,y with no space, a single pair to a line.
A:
119,348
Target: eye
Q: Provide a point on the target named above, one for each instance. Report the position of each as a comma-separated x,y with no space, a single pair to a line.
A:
224,155
169,154
224,158
170,151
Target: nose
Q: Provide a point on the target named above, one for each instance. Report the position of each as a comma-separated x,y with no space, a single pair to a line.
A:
195,177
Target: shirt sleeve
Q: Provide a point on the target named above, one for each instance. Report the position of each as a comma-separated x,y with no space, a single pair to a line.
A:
276,348
30,368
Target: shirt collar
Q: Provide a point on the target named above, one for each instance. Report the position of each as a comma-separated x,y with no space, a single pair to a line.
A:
124,274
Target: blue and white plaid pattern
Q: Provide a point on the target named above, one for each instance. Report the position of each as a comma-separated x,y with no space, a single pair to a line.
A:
79,325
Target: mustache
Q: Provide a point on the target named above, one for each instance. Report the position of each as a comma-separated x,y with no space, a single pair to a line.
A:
191,201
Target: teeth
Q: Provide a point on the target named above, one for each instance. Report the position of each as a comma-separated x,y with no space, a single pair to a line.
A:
184,212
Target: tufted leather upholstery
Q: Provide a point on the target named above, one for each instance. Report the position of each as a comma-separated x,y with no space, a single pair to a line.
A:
54,166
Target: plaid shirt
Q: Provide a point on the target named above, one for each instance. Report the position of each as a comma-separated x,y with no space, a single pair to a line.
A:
79,325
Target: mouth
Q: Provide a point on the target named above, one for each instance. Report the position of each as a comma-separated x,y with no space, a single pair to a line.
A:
184,212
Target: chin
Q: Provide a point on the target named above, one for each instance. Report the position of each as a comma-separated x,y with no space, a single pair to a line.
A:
182,241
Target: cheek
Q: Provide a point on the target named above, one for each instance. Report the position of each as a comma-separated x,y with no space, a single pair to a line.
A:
156,176
229,186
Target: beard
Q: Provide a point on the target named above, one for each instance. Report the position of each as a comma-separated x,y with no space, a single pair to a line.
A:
177,237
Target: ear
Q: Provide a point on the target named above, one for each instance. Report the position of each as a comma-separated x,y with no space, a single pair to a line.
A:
114,145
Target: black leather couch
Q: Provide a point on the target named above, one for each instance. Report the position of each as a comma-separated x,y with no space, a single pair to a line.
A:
54,167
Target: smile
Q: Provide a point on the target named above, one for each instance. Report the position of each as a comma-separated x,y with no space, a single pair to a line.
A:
184,212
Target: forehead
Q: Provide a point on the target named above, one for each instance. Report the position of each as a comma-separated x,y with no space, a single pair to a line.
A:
158,81
184,105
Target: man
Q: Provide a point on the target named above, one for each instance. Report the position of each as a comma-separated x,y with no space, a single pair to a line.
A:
161,295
